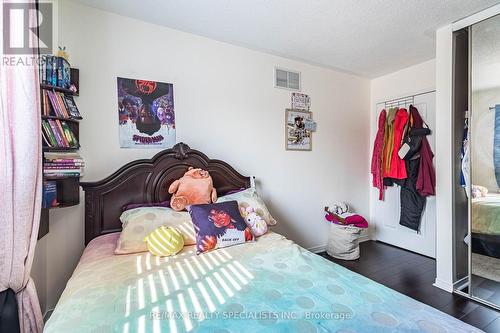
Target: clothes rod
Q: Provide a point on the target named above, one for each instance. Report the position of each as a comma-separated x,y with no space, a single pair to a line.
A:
407,97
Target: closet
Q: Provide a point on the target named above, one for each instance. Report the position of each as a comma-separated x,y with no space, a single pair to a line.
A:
476,161
386,213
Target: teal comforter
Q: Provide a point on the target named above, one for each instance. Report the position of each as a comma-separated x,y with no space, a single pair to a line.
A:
271,285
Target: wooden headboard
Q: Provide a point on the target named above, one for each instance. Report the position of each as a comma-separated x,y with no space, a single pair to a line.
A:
147,181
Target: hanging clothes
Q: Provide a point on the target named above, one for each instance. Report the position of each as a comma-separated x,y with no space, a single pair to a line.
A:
388,140
397,167
420,182
463,149
496,144
426,181
412,203
465,170
377,156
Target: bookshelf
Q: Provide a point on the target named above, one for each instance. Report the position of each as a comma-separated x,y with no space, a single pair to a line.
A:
60,138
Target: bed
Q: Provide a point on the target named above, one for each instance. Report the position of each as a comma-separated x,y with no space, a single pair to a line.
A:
270,285
486,225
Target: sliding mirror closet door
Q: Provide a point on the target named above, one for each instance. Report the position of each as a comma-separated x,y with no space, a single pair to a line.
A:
485,160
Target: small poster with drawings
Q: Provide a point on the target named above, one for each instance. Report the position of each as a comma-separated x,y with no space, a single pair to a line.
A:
146,113
297,136
301,101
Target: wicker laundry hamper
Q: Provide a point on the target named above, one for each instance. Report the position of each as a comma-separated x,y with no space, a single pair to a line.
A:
343,241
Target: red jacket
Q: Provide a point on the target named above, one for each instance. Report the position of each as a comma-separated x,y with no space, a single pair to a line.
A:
398,166
378,147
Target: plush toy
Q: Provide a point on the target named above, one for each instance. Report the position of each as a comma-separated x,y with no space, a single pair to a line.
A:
337,208
195,187
63,53
256,223
164,241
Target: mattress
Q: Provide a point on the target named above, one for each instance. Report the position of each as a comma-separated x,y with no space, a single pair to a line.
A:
271,285
486,215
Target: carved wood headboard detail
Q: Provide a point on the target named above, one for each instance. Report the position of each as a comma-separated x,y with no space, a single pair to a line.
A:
147,181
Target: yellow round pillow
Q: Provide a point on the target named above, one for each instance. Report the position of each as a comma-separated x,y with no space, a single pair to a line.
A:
164,241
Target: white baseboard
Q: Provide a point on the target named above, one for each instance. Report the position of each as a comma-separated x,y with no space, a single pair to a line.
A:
364,238
322,248
446,286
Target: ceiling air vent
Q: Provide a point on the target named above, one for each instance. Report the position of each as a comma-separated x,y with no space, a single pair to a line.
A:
287,79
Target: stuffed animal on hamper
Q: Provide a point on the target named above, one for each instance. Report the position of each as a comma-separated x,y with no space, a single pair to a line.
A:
194,188
256,223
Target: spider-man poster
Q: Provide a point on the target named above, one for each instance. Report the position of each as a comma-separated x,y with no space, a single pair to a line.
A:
146,113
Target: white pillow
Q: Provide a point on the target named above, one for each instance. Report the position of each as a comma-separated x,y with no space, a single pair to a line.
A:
139,222
250,198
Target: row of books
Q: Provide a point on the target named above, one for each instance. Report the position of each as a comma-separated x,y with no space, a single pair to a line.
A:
60,105
57,133
63,164
55,71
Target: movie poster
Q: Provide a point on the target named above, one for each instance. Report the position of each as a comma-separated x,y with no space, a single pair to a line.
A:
146,114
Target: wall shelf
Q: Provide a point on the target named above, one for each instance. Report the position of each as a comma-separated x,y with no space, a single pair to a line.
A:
67,187
61,118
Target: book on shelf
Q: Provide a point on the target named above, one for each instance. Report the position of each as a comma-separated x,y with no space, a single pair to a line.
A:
60,105
57,133
49,194
71,107
63,165
55,71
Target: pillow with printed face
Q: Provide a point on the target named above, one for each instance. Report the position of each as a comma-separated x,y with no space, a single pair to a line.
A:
139,222
250,198
218,225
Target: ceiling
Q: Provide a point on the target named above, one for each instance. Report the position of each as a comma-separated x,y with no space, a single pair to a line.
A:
365,37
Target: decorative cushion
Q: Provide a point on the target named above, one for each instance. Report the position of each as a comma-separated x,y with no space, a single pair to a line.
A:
165,204
218,225
139,222
164,241
250,198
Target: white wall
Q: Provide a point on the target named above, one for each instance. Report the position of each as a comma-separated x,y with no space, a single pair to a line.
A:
225,106
408,81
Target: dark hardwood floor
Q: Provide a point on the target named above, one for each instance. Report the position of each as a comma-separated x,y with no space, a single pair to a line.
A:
413,275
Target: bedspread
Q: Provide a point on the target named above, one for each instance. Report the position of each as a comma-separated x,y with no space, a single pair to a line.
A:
271,285
486,215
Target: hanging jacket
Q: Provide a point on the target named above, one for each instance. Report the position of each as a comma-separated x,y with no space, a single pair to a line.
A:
420,179
388,140
377,156
397,169
426,180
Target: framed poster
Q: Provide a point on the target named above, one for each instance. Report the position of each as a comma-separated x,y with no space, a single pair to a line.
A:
297,137
301,101
146,113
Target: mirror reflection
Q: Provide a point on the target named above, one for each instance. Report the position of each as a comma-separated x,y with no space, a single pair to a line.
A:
482,146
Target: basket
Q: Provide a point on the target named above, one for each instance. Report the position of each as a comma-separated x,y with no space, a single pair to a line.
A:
343,242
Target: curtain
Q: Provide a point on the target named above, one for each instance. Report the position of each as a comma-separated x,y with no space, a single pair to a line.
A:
20,179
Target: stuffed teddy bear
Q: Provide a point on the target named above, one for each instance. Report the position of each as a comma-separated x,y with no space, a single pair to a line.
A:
256,223
195,187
